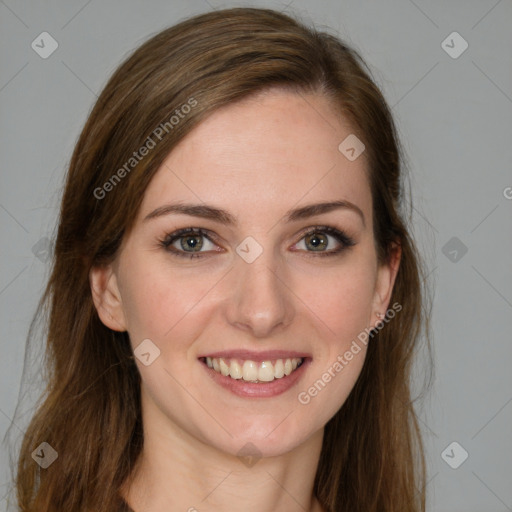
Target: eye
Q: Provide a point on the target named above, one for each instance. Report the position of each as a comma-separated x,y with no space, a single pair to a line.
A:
196,242
318,239
188,242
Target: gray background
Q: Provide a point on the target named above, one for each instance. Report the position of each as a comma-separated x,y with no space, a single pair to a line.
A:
454,117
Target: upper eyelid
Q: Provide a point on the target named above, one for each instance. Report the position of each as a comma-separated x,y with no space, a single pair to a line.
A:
179,233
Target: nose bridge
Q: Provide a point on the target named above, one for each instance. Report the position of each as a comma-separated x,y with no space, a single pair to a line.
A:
259,300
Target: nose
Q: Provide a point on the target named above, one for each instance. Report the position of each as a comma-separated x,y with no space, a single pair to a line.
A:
260,301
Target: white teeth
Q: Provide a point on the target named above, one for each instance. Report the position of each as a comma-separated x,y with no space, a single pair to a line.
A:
266,371
224,368
279,369
235,370
287,366
250,371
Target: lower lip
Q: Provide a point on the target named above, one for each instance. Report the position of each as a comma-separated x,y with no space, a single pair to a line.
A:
246,389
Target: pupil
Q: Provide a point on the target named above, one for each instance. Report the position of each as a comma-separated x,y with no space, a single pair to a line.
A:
316,241
192,242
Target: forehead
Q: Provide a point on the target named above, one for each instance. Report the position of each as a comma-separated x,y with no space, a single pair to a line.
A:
261,156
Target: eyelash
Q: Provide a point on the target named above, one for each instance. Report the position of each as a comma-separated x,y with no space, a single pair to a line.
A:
340,236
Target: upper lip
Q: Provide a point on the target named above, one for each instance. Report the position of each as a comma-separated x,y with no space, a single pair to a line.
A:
250,355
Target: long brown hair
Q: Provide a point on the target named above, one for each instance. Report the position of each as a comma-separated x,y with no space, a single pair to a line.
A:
372,457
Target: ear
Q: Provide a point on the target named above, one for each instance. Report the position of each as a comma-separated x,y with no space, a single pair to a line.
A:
107,298
386,275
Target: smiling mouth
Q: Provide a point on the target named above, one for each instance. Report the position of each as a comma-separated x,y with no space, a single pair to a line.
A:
252,371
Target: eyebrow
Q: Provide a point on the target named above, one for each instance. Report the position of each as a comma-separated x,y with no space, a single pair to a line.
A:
224,217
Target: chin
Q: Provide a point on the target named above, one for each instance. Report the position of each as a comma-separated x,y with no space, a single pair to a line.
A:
263,437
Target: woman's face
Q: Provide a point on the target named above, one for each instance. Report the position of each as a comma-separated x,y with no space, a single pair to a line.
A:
264,285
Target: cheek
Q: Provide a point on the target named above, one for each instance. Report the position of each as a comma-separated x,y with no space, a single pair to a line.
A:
342,311
342,299
159,302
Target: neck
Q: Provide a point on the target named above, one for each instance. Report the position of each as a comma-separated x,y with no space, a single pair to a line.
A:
177,471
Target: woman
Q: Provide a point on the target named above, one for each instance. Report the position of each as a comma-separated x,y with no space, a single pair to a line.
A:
235,299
